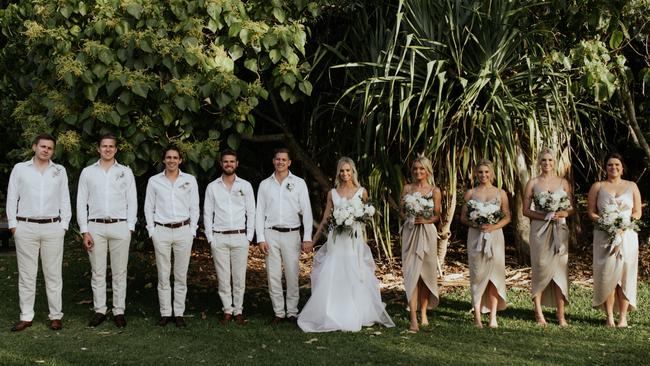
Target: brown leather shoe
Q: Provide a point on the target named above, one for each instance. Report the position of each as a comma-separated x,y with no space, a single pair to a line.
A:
293,320
180,322
20,326
162,322
97,320
56,324
120,321
276,320
240,320
226,318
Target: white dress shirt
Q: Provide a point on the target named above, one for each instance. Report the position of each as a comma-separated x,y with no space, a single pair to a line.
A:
169,203
232,209
106,194
282,204
38,196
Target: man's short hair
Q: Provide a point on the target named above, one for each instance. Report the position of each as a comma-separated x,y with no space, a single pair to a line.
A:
282,150
174,148
43,136
228,152
106,136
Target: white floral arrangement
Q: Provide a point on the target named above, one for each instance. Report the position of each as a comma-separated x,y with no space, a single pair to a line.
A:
350,211
482,213
418,205
551,202
290,186
614,221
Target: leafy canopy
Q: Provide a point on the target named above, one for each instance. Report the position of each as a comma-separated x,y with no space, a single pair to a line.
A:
153,72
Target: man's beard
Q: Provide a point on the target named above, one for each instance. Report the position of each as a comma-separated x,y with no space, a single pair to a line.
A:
229,173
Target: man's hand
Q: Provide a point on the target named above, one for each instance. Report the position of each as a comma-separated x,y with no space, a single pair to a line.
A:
307,246
264,247
13,231
88,242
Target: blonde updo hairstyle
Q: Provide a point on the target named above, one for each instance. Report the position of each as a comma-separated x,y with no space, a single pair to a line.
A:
486,163
428,167
543,152
353,167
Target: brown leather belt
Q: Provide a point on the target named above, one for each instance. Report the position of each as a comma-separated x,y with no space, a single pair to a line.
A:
106,221
285,229
39,221
174,225
228,232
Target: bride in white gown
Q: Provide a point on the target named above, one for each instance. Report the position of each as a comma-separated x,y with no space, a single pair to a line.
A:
344,290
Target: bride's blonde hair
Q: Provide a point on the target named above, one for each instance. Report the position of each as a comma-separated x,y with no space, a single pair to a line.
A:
353,167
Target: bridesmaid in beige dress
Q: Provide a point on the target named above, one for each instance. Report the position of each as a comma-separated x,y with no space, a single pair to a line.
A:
549,241
419,239
485,248
615,264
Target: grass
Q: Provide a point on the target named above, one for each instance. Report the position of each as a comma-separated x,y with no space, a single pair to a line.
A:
450,339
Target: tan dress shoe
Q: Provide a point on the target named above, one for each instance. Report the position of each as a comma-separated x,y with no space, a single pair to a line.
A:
56,324
20,326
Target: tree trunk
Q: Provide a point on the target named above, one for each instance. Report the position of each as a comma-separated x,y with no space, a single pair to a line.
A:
447,216
630,113
521,223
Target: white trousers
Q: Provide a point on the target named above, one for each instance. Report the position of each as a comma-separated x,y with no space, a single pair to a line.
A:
179,241
230,256
114,239
32,238
284,250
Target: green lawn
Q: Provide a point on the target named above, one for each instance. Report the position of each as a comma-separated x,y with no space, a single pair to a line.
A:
451,338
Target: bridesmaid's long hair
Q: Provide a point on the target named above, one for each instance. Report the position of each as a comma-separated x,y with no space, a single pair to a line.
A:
353,167
426,164
486,163
619,157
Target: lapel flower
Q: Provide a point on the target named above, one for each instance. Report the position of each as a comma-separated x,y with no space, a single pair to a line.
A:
56,172
120,176
290,186
240,193
184,186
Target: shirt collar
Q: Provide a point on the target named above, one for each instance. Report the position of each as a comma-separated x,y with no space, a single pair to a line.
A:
50,163
289,177
115,163
220,179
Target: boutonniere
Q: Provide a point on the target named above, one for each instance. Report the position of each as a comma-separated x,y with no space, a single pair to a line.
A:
56,172
240,193
120,176
185,185
290,186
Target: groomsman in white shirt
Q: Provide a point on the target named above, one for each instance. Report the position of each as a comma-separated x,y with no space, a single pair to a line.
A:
38,212
229,222
171,209
107,208
282,205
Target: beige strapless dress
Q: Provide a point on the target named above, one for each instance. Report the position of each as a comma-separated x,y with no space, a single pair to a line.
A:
419,260
615,265
487,263
549,256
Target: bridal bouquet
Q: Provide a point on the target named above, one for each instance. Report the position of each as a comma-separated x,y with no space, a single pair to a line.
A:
350,211
614,222
417,205
481,213
551,201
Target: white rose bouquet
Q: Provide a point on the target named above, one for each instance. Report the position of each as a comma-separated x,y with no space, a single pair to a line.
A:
350,211
614,221
551,202
417,205
481,213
